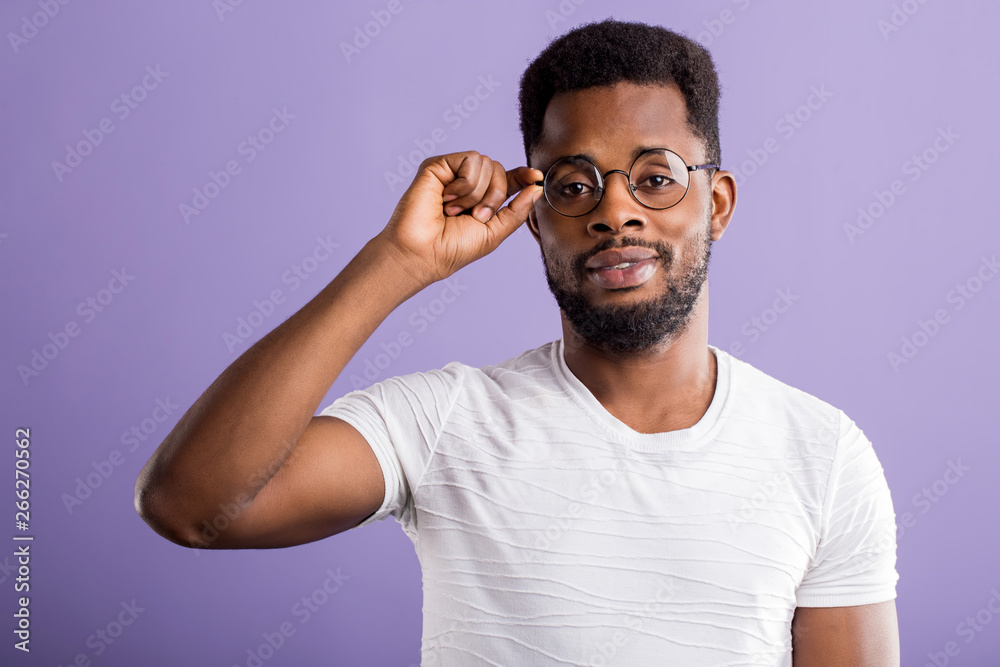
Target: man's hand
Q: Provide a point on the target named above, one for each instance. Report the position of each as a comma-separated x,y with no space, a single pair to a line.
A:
431,230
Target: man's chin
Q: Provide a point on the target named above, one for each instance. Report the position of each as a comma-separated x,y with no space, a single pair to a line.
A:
624,329
622,347
620,321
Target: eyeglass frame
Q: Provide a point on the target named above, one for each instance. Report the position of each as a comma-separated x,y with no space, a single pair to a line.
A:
628,175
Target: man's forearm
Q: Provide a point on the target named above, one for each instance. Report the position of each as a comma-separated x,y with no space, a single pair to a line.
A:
235,436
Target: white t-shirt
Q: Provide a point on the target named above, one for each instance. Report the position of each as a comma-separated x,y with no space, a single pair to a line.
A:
551,533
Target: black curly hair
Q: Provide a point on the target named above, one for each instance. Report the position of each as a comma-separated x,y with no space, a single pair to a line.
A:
607,52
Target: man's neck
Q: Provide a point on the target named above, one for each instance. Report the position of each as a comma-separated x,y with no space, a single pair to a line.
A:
665,389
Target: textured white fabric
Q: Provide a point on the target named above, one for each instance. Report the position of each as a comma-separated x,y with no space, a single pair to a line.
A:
550,533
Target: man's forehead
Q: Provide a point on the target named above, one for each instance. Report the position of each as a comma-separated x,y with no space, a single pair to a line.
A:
620,119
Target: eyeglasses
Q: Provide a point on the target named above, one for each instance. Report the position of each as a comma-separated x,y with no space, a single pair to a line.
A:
658,179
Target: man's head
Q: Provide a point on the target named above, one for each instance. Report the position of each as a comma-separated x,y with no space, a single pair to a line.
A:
605,53
608,91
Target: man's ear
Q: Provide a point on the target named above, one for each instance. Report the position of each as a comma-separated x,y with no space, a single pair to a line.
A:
723,202
532,225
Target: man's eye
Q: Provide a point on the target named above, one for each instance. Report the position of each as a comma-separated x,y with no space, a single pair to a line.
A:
574,189
659,181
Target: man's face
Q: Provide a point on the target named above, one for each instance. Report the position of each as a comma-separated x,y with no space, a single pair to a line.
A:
624,310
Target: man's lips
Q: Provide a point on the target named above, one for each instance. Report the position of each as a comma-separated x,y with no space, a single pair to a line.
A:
619,256
622,267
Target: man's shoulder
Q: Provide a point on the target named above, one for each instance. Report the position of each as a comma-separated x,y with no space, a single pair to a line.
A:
523,368
528,368
762,394
536,358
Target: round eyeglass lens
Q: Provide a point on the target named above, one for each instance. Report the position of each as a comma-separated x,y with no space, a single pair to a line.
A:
659,178
573,186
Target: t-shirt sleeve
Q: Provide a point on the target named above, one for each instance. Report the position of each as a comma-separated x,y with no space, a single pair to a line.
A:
402,419
855,560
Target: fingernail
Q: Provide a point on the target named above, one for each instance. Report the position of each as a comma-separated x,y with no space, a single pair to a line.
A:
448,198
453,210
483,213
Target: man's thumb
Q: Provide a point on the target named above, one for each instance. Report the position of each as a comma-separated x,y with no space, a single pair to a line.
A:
511,216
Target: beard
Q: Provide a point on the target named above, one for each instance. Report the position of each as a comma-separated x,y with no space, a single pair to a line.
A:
635,327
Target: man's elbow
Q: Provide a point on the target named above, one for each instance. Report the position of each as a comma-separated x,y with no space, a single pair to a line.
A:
159,510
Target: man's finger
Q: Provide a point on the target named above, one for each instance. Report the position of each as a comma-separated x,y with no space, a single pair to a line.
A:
511,216
521,177
472,186
495,194
466,173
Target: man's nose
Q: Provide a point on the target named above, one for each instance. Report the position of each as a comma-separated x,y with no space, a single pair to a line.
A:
617,208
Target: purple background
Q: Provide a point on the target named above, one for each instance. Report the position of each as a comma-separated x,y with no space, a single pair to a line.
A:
162,336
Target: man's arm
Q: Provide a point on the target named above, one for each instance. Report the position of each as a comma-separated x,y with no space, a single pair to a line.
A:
250,455
862,636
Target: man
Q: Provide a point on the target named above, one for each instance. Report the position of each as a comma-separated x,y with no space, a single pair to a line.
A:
628,494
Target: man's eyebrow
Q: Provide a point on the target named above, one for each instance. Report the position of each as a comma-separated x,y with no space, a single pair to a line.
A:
636,152
639,150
